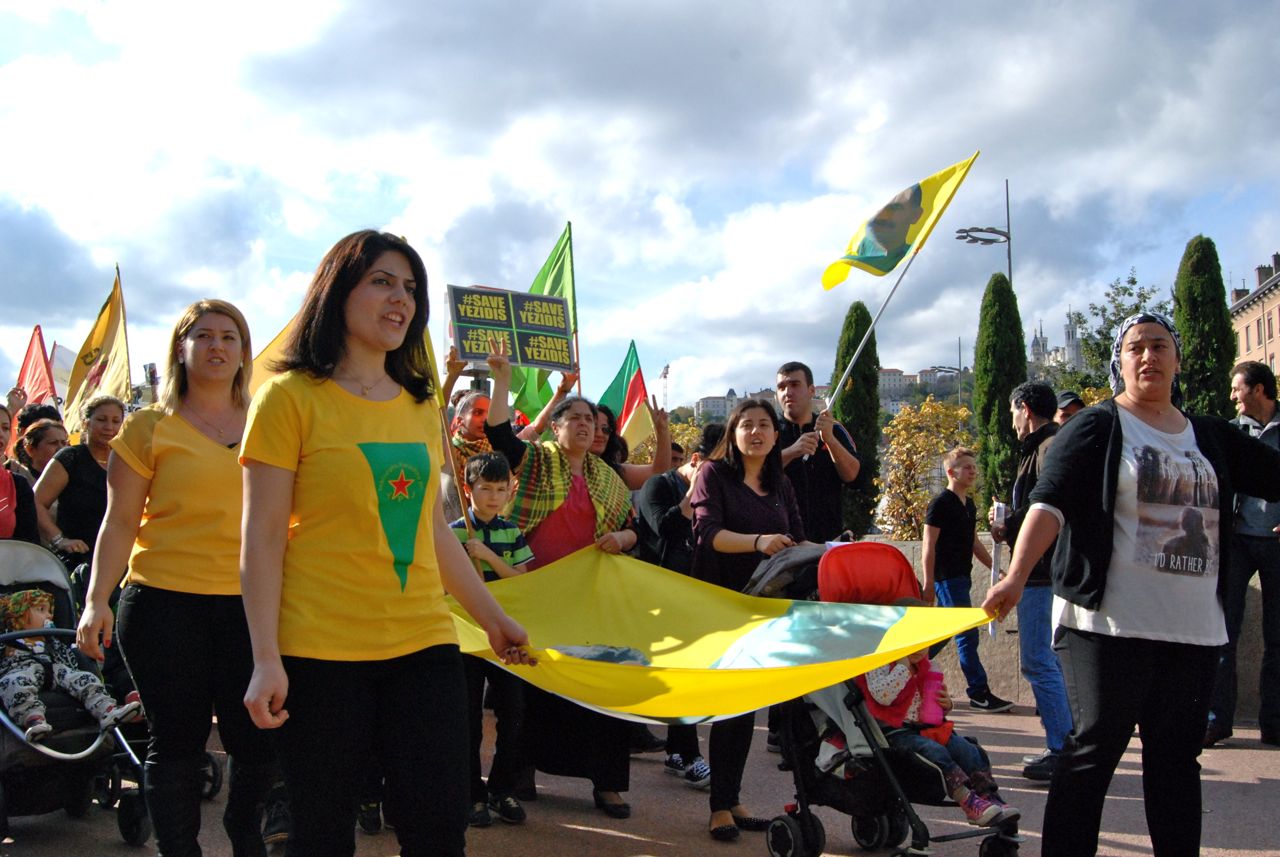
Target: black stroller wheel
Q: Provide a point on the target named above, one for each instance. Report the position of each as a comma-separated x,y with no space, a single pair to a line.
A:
899,827
132,818
997,846
79,795
785,838
212,774
107,786
870,831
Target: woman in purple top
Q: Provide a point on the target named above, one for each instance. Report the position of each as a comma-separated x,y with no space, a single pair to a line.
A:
743,511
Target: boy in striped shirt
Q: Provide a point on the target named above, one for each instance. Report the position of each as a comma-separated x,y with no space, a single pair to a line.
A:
501,551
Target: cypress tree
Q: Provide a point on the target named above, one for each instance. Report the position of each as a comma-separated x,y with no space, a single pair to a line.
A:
1208,341
857,407
999,365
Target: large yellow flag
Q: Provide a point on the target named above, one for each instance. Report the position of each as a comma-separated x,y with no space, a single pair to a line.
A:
900,228
102,366
619,635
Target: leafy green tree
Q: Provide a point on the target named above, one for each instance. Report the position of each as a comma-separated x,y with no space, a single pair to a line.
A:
918,437
1122,299
999,365
1208,340
857,407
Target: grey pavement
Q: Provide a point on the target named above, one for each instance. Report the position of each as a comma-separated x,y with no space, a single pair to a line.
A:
1241,805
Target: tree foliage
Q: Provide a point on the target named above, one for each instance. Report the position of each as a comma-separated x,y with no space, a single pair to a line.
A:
912,474
1208,340
1122,299
857,407
999,365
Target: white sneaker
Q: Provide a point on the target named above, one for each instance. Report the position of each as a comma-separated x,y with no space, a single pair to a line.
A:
117,714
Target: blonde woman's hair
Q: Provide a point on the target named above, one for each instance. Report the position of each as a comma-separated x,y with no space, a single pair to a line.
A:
174,386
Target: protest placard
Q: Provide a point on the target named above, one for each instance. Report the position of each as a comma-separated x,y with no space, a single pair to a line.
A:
533,329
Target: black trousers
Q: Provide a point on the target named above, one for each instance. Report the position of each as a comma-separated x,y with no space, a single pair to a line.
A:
1114,683
507,693
1251,555
729,745
683,740
409,713
190,657
563,738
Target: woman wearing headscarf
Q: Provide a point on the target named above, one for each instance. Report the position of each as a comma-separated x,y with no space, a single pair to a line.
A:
567,499
1136,592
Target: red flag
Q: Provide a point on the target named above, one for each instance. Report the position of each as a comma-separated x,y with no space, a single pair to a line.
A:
35,377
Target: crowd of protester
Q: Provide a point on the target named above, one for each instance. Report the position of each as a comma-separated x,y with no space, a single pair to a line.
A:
262,599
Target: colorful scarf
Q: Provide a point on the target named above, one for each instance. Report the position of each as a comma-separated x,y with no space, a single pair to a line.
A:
545,474
464,449
1117,380
16,605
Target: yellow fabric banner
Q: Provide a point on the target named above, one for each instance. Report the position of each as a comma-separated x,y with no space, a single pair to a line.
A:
900,228
102,366
633,639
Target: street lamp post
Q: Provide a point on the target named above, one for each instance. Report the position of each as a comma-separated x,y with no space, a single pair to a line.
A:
988,235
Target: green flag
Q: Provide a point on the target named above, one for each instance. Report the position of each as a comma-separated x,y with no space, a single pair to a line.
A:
400,472
532,387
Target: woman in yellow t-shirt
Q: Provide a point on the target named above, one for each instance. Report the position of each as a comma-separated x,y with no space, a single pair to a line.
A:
354,649
173,521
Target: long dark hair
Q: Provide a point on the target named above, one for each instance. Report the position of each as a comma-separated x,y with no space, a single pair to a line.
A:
727,451
318,338
615,450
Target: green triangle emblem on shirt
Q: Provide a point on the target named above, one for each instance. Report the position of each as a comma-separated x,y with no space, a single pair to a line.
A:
400,472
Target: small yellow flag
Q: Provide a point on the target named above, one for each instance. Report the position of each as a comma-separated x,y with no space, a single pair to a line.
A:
102,366
900,228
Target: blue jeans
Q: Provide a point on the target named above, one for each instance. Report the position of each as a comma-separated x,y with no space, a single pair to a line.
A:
958,753
955,593
1040,665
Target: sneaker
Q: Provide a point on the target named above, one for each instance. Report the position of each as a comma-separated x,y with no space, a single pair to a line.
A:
140,715
1042,771
990,702
276,820
772,743
479,815
980,811
37,728
1008,814
698,774
507,808
1031,760
117,714
674,764
369,817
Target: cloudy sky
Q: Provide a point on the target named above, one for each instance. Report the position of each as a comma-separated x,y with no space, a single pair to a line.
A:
713,158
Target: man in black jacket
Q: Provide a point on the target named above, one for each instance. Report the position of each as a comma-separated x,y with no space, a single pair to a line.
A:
1033,406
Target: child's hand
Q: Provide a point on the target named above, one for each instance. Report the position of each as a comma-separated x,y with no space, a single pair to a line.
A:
477,549
510,642
944,698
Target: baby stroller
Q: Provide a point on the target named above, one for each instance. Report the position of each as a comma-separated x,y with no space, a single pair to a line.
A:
60,770
108,785
837,753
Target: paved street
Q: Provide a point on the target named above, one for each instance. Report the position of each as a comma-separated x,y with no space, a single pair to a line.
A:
1241,788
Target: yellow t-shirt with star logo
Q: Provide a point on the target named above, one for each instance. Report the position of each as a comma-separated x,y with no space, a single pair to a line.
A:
361,580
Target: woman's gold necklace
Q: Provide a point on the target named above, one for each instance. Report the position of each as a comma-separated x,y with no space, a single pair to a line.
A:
365,389
221,432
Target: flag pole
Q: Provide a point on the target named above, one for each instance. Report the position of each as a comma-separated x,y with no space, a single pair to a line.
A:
573,278
835,391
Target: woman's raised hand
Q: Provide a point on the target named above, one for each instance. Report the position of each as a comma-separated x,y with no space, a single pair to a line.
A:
453,364
499,361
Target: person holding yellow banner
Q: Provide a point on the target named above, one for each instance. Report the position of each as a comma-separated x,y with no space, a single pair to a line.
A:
567,499
346,556
744,510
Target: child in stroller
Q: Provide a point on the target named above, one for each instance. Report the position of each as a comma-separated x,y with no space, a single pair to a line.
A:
897,695
841,758
25,661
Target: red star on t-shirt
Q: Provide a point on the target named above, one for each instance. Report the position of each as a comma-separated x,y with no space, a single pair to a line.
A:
400,486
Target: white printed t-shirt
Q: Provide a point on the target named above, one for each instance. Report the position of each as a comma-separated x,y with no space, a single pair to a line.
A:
1162,583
